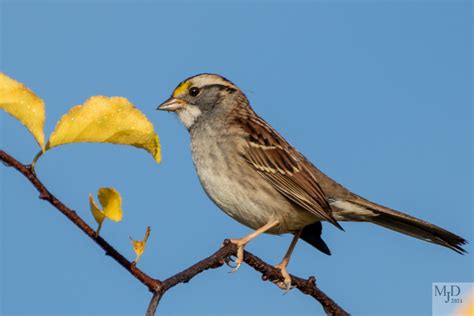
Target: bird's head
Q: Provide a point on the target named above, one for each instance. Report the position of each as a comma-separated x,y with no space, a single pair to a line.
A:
203,95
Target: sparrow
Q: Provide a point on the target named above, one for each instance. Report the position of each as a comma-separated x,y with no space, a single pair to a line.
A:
254,175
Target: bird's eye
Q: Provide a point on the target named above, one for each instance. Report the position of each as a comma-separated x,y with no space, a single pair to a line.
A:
193,91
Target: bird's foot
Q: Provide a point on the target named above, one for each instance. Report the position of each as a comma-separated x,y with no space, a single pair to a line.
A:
240,243
286,283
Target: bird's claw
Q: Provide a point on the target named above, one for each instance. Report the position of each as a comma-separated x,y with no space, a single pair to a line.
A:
229,262
240,255
286,283
235,268
285,286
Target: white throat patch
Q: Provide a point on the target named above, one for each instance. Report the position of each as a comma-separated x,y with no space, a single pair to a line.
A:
188,115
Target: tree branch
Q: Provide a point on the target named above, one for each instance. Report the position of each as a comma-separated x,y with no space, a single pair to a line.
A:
151,283
159,288
268,272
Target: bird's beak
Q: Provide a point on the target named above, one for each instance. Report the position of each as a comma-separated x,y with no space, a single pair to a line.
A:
172,105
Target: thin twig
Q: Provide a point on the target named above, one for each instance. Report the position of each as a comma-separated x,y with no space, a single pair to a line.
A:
151,283
159,288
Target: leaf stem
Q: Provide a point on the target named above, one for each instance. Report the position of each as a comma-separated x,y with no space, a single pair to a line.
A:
33,163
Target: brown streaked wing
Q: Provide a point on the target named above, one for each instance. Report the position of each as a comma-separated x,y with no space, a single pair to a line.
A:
282,166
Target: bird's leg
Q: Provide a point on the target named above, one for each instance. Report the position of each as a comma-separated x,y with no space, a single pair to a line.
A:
286,284
242,242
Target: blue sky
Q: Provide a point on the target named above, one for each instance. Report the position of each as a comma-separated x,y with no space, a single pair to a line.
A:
377,94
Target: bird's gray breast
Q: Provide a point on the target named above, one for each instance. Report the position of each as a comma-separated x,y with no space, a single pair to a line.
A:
234,185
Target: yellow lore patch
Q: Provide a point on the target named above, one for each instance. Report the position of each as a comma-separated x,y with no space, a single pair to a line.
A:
181,88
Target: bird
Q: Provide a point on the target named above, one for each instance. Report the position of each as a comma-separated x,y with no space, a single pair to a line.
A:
254,175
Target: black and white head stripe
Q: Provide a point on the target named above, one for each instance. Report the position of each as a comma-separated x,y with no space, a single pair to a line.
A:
204,81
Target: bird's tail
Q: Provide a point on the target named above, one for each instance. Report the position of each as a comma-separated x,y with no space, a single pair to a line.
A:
359,209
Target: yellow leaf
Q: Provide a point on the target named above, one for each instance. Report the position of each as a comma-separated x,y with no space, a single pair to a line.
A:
19,101
111,202
97,213
139,245
106,120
